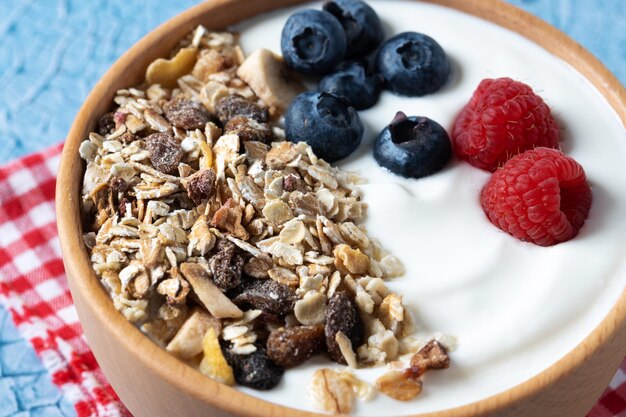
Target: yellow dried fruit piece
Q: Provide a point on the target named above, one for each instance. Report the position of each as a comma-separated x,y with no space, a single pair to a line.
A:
166,72
213,363
350,260
396,385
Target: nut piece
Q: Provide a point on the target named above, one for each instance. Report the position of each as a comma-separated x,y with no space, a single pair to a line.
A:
353,261
166,72
342,316
209,295
249,130
186,114
311,309
165,152
291,346
201,185
331,393
236,105
175,288
271,80
431,356
228,218
346,350
187,343
213,363
226,265
209,62
398,386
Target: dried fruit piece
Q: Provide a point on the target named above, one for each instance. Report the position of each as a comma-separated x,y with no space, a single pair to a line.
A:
166,72
396,385
332,393
342,316
291,346
249,130
292,183
350,260
268,296
106,124
271,80
255,370
209,295
201,185
186,114
226,265
165,152
431,356
214,364
187,343
236,105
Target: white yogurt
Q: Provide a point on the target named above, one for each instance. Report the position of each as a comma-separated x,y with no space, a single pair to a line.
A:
516,308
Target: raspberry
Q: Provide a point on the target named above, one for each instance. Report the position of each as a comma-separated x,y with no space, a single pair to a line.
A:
503,118
540,196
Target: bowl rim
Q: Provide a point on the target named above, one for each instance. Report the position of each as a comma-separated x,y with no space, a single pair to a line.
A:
77,262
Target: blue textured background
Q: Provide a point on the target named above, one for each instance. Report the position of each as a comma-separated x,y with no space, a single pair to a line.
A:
53,51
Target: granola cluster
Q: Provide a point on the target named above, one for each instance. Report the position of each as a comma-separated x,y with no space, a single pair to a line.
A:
239,252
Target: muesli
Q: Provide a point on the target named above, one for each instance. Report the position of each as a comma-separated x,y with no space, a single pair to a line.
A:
241,253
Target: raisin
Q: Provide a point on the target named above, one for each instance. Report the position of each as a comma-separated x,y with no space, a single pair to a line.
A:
121,207
126,138
268,296
291,183
165,152
186,114
249,130
118,184
291,346
431,356
235,105
106,124
255,370
226,265
342,316
201,185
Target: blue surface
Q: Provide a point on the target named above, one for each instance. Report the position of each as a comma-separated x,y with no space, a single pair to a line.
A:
53,51
26,389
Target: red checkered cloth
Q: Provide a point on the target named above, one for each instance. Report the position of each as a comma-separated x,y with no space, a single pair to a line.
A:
33,287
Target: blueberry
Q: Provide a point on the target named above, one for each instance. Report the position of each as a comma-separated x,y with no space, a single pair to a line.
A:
324,122
413,64
353,85
313,42
363,29
413,146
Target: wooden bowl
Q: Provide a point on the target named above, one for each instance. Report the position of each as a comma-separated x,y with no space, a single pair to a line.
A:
152,383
